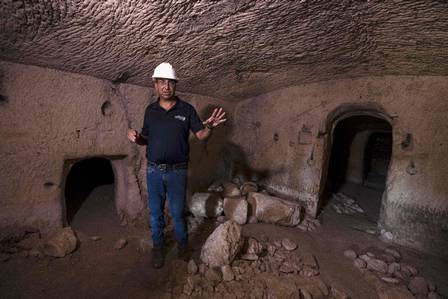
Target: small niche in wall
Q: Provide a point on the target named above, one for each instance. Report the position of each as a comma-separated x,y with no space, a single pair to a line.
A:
305,135
106,108
3,99
406,144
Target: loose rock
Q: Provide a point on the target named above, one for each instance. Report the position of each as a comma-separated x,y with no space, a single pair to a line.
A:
394,252
377,265
213,275
222,245
95,238
288,244
390,279
61,243
192,268
120,244
418,286
359,263
227,273
351,254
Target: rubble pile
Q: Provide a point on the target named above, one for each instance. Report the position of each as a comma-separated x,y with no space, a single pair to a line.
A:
244,202
236,267
343,204
392,277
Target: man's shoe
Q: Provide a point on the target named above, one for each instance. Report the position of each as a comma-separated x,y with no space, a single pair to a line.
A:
157,257
182,253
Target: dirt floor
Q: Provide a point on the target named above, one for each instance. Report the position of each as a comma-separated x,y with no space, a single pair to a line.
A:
98,270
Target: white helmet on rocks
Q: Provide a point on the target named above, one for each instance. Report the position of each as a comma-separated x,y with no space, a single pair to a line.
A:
165,71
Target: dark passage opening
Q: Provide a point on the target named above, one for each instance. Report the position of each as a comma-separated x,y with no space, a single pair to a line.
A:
376,159
360,156
82,183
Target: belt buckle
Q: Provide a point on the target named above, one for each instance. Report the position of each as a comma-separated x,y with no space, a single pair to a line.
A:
162,167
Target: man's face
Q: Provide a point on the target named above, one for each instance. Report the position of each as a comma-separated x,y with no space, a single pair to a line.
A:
165,88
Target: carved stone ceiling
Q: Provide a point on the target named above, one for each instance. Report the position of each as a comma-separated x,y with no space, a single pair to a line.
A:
228,49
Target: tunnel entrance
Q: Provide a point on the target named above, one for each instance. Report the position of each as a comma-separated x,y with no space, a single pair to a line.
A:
359,160
89,193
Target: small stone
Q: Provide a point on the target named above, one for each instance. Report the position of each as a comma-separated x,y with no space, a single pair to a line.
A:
392,268
359,263
213,275
390,279
392,251
227,273
377,265
253,246
408,269
309,260
365,257
95,238
271,249
370,254
252,220
387,236
249,257
120,244
145,244
302,227
418,286
351,254
288,244
61,243
287,267
388,258
277,243
308,272
202,268
338,294
192,268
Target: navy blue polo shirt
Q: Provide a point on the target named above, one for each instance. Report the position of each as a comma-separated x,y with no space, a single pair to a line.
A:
167,132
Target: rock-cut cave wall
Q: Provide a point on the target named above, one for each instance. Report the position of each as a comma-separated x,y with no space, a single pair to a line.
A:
286,135
50,119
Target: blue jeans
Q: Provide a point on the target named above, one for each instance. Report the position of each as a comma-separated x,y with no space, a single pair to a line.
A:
163,184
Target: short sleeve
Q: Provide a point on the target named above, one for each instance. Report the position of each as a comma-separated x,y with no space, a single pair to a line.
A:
145,129
195,122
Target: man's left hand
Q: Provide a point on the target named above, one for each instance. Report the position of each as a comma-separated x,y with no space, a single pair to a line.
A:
215,119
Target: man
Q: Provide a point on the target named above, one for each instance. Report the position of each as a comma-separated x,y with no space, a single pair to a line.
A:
166,128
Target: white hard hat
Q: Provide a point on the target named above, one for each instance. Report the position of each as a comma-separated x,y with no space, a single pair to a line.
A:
165,71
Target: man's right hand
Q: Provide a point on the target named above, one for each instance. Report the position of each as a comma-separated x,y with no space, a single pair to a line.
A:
132,135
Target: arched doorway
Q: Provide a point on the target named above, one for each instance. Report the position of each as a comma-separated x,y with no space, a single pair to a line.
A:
89,192
358,158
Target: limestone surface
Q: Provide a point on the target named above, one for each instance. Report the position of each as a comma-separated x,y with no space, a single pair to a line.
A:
222,245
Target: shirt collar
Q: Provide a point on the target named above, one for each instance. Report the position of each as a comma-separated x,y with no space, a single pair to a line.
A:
156,106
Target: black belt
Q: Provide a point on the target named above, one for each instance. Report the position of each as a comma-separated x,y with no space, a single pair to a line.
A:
167,167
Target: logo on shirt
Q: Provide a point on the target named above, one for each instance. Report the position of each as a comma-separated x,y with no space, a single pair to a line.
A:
180,117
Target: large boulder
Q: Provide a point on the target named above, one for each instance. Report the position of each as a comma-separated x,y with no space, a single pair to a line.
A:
271,209
204,204
61,243
222,245
235,208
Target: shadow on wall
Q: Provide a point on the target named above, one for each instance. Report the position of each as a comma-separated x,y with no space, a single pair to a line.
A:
218,159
